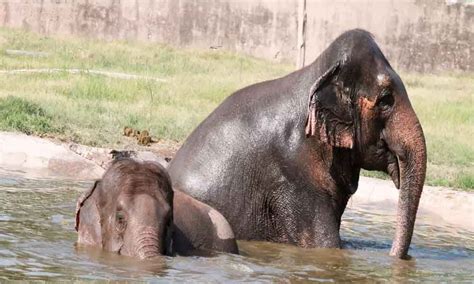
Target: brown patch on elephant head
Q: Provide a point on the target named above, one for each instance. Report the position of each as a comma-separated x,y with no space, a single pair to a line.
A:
367,107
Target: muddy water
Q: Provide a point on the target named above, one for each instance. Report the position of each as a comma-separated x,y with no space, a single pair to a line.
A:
37,242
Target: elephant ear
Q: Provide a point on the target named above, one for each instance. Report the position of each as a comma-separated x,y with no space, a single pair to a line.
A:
330,110
88,223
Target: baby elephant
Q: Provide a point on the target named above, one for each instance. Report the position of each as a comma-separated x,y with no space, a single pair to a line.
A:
134,211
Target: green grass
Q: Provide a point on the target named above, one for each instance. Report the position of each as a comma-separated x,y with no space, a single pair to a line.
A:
96,108
21,115
92,109
445,107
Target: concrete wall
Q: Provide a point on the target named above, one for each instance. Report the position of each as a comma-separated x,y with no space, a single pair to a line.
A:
420,35
264,28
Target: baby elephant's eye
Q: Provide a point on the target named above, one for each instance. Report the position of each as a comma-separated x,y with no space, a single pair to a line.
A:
120,216
120,220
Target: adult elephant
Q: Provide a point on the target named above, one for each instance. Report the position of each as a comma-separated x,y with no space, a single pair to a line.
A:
280,159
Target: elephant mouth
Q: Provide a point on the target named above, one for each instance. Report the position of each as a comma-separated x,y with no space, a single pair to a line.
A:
393,169
393,165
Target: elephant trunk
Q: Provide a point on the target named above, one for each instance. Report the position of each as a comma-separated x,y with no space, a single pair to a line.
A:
149,243
405,139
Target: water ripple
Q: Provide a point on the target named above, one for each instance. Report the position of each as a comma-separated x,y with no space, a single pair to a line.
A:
37,242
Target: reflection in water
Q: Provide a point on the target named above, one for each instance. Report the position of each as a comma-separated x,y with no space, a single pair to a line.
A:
37,241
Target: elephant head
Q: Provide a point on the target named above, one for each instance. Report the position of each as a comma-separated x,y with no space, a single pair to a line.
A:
361,105
128,211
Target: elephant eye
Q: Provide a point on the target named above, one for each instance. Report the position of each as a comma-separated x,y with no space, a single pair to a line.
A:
120,220
385,100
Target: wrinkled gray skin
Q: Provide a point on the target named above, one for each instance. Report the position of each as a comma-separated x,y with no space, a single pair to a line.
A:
133,211
280,159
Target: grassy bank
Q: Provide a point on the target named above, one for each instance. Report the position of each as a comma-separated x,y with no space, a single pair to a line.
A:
93,109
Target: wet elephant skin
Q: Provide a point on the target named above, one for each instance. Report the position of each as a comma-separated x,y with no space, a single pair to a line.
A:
280,159
133,211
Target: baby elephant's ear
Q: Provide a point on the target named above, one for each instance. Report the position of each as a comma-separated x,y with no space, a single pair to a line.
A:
82,200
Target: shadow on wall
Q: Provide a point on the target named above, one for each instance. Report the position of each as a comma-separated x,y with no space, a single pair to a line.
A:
415,35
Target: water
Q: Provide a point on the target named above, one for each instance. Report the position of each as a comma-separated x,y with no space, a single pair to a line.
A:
37,242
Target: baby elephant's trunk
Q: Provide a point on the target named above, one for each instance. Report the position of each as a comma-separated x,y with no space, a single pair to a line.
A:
149,242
